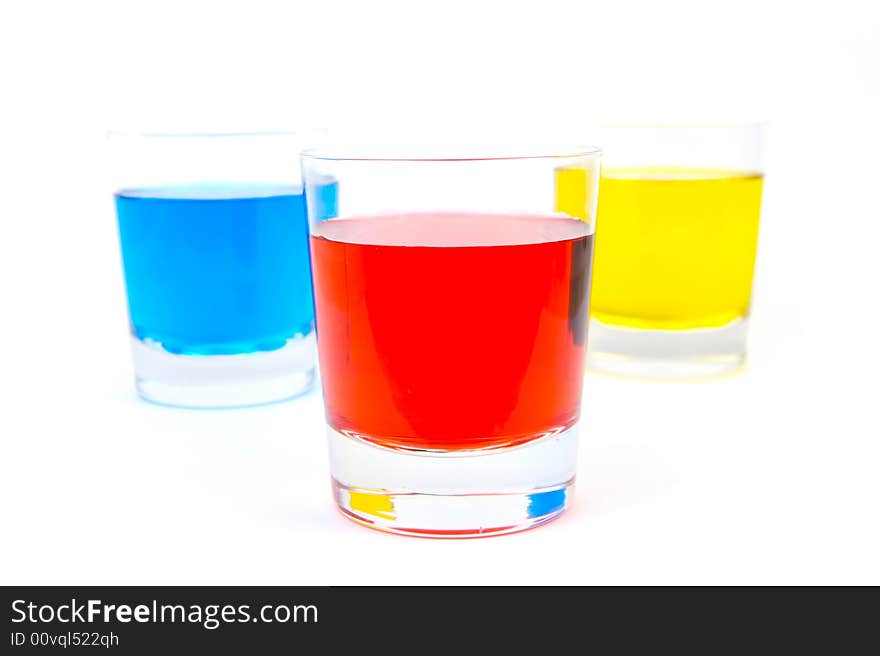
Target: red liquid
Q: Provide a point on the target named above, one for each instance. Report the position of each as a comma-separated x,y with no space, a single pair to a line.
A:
452,331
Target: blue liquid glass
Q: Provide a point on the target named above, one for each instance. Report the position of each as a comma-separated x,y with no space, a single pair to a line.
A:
544,503
217,270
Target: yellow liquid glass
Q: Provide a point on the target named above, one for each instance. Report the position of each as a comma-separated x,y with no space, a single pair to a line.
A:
675,247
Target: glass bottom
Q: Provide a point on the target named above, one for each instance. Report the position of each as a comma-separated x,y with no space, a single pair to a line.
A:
667,354
224,381
453,494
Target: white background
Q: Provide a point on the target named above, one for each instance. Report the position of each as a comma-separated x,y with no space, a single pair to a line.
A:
768,477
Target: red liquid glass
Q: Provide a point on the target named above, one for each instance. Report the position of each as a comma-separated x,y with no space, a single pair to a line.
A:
452,331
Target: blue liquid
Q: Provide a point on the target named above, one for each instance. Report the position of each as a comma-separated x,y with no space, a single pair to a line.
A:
544,503
213,270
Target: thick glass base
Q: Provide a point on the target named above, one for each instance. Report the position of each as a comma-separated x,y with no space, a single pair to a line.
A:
224,381
453,494
667,354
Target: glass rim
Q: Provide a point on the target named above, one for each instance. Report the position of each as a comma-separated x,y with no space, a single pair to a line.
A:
334,154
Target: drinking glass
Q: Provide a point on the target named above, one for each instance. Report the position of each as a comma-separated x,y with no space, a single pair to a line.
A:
675,253
451,303
214,245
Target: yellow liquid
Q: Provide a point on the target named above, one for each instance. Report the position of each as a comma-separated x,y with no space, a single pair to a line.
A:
675,247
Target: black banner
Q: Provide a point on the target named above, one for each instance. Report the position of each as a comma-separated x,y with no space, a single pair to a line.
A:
141,620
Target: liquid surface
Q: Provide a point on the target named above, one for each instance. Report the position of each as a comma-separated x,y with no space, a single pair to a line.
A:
451,331
216,269
675,247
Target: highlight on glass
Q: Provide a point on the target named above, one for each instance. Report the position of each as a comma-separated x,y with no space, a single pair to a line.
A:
452,303
214,245
678,231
